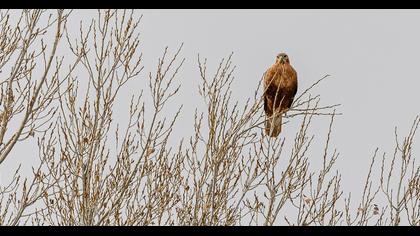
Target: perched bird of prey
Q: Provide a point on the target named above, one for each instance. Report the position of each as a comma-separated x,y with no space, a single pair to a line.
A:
280,87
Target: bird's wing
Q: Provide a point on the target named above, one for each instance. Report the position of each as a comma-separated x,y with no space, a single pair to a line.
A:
270,76
294,78
269,88
289,87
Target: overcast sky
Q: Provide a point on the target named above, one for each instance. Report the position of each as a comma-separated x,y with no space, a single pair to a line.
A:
371,55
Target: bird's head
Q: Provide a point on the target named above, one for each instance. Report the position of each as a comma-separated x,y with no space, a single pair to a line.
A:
282,58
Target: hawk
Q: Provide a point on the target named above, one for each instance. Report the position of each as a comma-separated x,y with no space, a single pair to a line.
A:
280,87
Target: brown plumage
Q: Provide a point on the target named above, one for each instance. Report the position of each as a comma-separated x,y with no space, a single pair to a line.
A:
280,87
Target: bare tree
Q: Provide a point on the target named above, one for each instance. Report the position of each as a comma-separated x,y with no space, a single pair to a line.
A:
95,169
29,85
96,183
398,185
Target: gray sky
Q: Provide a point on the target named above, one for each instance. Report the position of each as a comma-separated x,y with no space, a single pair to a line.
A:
371,55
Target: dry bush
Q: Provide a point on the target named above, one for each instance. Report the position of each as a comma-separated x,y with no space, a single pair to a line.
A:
96,170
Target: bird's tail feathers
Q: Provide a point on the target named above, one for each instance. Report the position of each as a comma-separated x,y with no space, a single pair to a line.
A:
273,125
